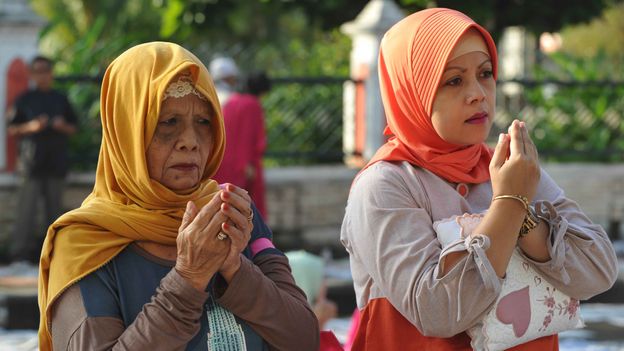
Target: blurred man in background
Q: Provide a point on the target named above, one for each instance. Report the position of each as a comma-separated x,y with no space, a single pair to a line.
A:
43,119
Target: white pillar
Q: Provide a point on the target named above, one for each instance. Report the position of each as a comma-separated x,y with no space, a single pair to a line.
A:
19,34
516,52
363,115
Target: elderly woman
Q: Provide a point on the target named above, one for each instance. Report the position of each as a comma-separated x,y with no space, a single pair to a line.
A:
159,256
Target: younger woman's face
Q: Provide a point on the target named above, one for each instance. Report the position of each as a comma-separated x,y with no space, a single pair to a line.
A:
182,142
464,105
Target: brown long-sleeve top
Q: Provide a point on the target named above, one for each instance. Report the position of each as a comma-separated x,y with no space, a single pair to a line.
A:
139,302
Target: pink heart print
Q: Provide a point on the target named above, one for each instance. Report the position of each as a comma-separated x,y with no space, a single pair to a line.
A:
515,309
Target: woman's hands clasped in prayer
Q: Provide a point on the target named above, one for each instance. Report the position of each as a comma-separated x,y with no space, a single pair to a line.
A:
514,168
201,253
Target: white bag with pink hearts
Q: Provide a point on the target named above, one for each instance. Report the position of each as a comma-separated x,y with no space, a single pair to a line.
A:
528,307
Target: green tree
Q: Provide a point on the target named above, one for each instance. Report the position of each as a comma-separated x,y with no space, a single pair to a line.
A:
603,34
286,38
85,35
536,15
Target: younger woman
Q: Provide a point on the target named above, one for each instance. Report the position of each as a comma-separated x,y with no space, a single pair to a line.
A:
437,71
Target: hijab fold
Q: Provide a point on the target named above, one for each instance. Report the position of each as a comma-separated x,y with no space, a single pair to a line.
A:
125,204
409,80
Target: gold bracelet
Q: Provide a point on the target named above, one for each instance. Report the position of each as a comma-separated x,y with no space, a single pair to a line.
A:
530,219
523,199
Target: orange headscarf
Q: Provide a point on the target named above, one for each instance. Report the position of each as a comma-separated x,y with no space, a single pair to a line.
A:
126,205
412,58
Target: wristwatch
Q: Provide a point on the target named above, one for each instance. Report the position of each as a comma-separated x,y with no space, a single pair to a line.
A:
530,222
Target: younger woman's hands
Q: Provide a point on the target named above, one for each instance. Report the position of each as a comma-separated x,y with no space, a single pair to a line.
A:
514,168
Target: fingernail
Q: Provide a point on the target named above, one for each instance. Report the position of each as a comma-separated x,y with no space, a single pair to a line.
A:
188,206
225,226
501,137
225,207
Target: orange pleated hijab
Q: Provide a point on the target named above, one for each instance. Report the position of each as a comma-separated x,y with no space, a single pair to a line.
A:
126,205
412,58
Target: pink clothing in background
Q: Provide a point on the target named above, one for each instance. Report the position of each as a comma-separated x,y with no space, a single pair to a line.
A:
353,327
245,142
329,342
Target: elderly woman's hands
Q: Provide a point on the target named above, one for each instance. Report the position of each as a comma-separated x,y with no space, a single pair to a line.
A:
200,254
237,207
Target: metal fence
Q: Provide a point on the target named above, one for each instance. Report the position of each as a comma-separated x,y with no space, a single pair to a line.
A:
570,121
303,117
304,120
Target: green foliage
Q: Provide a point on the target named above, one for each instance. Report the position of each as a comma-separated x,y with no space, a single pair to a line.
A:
170,20
304,123
111,26
286,38
601,34
581,121
536,15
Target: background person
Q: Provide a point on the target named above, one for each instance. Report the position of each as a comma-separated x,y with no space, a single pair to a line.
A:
159,256
309,272
225,74
437,71
43,119
243,116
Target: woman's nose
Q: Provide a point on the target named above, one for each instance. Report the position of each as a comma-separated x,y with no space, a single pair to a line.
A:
188,140
476,93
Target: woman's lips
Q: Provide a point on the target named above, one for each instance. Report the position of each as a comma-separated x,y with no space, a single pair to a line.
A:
185,167
478,118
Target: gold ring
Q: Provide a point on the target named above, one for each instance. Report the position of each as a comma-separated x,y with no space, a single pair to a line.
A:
222,236
250,217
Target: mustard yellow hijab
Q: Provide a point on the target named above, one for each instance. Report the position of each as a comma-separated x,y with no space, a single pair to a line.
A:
126,205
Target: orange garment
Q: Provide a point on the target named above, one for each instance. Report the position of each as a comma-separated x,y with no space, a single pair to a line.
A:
126,205
382,327
409,80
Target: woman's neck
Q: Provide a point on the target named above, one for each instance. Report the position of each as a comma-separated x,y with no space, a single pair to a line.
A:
166,252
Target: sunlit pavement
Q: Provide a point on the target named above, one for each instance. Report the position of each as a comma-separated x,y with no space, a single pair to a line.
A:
604,332
18,340
604,329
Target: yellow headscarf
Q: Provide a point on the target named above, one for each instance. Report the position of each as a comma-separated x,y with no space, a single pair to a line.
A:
126,205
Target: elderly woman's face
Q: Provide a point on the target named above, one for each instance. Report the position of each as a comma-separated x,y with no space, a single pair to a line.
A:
182,142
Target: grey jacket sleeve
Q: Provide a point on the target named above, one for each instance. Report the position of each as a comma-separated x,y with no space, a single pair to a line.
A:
583,262
389,232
